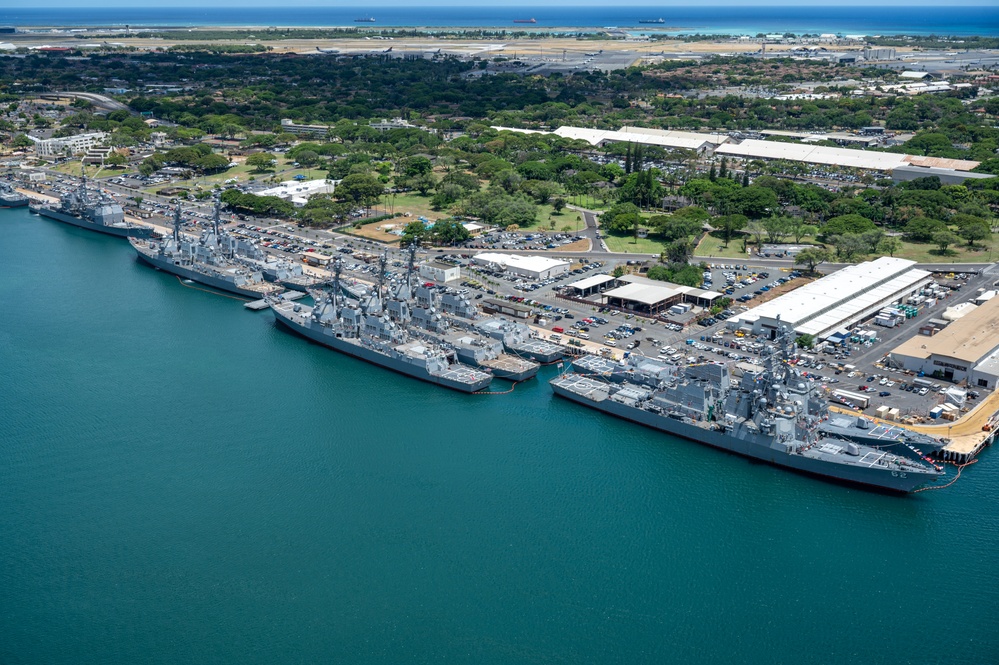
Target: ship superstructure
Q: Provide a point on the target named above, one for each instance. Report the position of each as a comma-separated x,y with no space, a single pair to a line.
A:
101,214
10,197
769,415
426,314
372,330
211,259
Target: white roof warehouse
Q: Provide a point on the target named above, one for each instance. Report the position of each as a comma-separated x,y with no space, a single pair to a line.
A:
839,300
534,267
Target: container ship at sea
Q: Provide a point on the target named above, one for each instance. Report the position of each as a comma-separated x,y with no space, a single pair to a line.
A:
771,415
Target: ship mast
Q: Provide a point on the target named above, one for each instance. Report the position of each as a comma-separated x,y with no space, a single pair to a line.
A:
411,268
337,267
215,215
176,224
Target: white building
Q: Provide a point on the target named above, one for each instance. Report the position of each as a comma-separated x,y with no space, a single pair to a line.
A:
966,350
532,267
299,191
442,273
839,300
71,145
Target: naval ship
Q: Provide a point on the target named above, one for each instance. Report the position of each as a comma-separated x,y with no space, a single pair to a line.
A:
770,415
519,339
103,215
427,313
287,274
366,331
10,197
208,260
638,369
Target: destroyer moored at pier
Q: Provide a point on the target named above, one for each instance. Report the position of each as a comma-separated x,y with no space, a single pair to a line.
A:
103,215
205,260
770,416
10,197
365,331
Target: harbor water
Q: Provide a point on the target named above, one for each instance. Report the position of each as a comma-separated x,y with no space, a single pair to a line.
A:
182,481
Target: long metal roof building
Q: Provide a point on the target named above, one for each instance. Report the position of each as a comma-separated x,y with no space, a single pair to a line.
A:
838,300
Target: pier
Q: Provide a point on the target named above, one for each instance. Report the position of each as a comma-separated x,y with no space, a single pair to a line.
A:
257,305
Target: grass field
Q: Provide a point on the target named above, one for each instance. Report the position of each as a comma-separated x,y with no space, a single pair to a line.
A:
712,245
629,245
927,253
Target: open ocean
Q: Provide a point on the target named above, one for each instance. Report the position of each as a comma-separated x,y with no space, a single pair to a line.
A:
871,20
183,482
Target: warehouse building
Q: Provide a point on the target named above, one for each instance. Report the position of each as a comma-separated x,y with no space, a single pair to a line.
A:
532,267
298,191
837,301
947,176
653,297
966,350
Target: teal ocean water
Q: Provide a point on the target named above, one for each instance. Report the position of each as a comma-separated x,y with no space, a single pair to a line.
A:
180,481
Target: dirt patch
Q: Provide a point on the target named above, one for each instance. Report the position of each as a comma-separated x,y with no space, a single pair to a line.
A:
376,232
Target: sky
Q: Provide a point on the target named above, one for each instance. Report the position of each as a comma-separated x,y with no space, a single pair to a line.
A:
495,3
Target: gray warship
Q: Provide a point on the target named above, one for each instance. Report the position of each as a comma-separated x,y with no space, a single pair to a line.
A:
431,312
367,331
10,197
642,370
208,260
518,338
103,215
770,415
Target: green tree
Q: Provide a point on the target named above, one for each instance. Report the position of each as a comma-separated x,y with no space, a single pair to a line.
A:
921,229
729,224
944,239
848,246
811,257
889,245
261,161
414,232
116,159
360,188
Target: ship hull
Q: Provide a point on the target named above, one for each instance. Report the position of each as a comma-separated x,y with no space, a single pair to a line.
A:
117,231
195,276
14,204
511,376
873,477
373,357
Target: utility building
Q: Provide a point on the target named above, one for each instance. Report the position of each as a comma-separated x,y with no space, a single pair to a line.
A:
966,350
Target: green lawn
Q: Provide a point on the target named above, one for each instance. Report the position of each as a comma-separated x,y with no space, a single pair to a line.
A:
75,167
928,253
712,245
630,245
